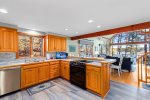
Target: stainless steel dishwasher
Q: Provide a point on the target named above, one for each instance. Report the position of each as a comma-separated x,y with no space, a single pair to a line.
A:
9,79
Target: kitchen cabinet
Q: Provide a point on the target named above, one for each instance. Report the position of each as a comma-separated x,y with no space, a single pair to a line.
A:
93,78
36,73
56,43
65,70
63,44
51,43
98,78
54,69
8,40
44,72
29,76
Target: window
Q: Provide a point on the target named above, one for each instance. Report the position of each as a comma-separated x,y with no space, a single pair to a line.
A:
130,43
30,46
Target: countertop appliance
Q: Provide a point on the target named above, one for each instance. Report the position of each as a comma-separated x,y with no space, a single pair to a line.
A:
61,55
9,79
78,73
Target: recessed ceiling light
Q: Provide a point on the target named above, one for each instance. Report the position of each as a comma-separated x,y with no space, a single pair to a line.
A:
3,11
98,26
66,29
90,21
77,32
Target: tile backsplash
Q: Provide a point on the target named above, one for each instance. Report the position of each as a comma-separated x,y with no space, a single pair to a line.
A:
50,54
7,56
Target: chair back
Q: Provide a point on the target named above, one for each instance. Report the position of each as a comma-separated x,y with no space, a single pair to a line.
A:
120,63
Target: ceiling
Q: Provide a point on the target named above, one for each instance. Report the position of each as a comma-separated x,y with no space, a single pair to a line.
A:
57,15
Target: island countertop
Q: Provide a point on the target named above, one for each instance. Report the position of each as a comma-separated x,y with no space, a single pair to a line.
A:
99,63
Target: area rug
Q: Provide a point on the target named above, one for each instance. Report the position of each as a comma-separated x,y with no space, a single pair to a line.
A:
146,86
39,88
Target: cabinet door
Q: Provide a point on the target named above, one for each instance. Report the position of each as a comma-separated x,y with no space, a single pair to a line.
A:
8,40
51,43
62,70
57,44
43,73
67,72
1,40
63,44
54,71
29,77
93,80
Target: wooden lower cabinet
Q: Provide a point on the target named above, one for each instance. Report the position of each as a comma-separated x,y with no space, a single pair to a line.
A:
43,73
29,77
54,70
34,73
93,80
98,79
65,70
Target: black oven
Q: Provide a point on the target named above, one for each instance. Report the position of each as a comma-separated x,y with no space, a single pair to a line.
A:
78,74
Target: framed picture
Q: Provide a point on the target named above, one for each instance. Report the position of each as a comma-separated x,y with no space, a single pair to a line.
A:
72,48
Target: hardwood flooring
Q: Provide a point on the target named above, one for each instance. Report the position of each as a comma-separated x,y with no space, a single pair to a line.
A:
63,90
130,78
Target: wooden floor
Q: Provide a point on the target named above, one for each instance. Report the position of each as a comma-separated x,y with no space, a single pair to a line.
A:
63,90
130,78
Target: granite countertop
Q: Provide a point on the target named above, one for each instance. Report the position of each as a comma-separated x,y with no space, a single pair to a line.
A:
99,63
11,64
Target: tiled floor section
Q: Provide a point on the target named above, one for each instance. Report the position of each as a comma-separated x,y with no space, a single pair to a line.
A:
63,90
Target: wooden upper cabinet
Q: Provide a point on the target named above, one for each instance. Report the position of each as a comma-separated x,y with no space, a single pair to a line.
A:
56,43
8,40
63,44
51,43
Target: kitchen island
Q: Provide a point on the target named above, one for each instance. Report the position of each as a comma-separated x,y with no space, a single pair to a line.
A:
98,77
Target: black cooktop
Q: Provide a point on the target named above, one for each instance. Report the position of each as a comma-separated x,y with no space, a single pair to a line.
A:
85,61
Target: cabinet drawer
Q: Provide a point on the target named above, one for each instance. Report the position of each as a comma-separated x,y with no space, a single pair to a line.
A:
54,68
92,68
54,74
65,62
31,66
54,62
45,64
